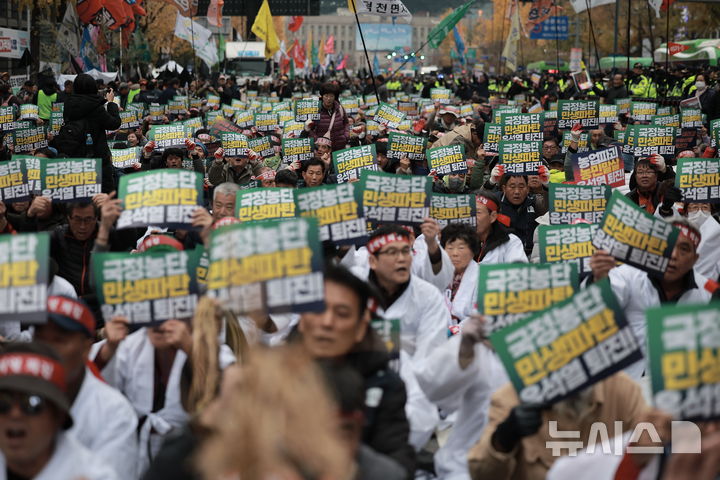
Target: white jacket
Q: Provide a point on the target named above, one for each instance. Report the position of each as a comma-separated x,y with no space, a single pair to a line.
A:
106,424
70,461
466,392
512,251
708,264
463,305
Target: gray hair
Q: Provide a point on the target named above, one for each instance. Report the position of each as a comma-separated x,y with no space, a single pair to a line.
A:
226,188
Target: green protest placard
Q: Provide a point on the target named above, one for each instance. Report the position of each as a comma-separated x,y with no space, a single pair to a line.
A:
24,261
167,136
307,109
128,119
567,243
643,111
70,179
266,122
699,179
510,292
165,198
665,120
13,184
228,110
270,265
635,237
138,108
156,112
262,146
285,116
568,347
182,99
570,203
234,144
608,114
265,107
125,157
447,160
57,120
372,127
583,145
410,109
285,105
449,208
520,158
599,167
297,149
350,162
691,118
7,118
522,127
175,107
293,129
442,95
715,133
648,140
389,198
264,204
336,210
351,105
213,101
500,111
28,111
388,115
491,137
466,110
584,112
665,110
31,169
195,102
684,354
406,145
148,287
27,140
370,100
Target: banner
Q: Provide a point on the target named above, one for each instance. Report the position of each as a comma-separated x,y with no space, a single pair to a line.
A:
125,157
388,115
168,136
307,109
635,237
522,127
648,140
24,261
13,43
699,179
336,210
266,122
453,208
447,160
599,167
570,203
148,287
567,243
683,352
297,149
165,198
70,179
508,293
442,95
13,186
568,347
520,158
382,8
273,264
349,162
406,145
390,198
264,204
584,112
27,140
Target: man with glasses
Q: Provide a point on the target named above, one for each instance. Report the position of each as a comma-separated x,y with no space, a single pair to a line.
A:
35,417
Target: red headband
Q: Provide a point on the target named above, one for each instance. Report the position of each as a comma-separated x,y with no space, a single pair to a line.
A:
266,175
158,240
690,233
377,243
73,310
490,204
33,365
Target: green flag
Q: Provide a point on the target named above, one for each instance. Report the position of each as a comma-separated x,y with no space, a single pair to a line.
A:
221,47
438,34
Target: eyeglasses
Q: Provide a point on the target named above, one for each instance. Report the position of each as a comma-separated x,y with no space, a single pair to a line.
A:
29,404
395,252
86,220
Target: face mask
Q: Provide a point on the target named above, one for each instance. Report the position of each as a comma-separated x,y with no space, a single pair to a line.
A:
455,184
699,85
698,217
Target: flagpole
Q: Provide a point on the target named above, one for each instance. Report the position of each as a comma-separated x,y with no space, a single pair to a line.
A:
367,57
592,33
192,40
667,44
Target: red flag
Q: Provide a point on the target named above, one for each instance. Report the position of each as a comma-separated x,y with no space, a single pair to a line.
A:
295,23
666,4
330,45
342,64
297,53
676,48
214,13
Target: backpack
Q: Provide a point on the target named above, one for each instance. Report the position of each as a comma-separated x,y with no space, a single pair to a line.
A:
72,140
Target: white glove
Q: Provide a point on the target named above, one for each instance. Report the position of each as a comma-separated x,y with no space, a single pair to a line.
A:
496,174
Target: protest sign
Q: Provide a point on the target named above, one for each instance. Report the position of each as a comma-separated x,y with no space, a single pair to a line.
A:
447,160
271,264
293,129
264,204
684,354
388,330
686,139
351,105
623,105
568,347
405,145
336,210
7,118
266,122
466,111
234,144
372,127
266,107
635,237
608,114
297,149
643,111
28,111
648,140
31,169
228,110
715,133
388,115
24,261
567,243
389,198
13,186
195,102
410,109
584,112
691,118
500,111
307,109
57,120
453,208
349,162
582,144
175,107
569,203
599,167
262,146
285,116
699,179
664,110
70,179
125,157
165,198
148,287
167,136
492,136
213,101
508,293
244,119
522,127
192,125
156,112
27,140
520,158
665,120
442,95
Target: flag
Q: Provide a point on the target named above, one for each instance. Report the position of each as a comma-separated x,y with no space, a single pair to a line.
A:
459,44
297,53
438,34
309,48
208,52
675,48
265,30
68,33
510,52
314,55
382,8
295,23
191,31
221,47
343,63
376,65
214,13
660,5
321,55
582,5
330,45
292,69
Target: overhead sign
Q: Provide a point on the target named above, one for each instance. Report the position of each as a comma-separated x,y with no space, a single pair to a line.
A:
554,28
